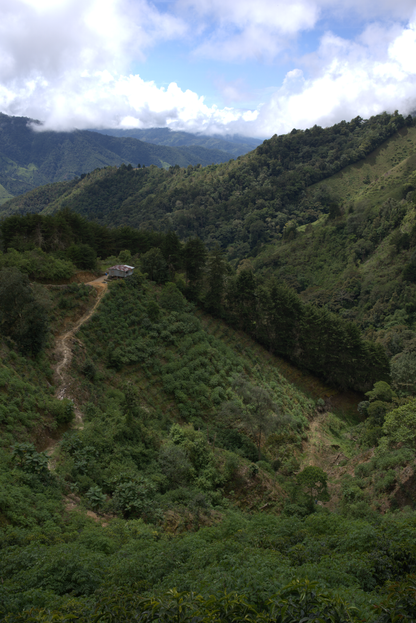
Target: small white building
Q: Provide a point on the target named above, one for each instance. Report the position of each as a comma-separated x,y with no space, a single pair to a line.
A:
120,270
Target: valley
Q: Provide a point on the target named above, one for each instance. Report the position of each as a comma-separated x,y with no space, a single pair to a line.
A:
229,434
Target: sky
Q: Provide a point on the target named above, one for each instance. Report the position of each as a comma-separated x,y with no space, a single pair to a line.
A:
250,67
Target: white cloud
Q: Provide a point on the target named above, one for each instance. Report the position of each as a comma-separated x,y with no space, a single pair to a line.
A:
346,81
45,38
248,29
68,62
263,28
233,90
403,50
103,100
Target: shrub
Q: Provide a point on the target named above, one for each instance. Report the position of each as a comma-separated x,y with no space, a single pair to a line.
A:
265,466
400,424
63,411
29,460
95,497
231,466
133,495
172,299
175,465
89,370
387,481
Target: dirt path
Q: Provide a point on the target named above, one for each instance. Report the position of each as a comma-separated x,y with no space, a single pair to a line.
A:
63,352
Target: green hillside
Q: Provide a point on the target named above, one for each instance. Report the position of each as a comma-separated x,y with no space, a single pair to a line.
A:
230,433
30,158
241,204
344,243
158,485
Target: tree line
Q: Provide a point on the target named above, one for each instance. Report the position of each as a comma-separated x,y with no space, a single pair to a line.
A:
311,337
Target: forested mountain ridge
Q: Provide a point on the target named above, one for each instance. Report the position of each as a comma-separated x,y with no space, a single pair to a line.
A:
30,158
233,145
241,204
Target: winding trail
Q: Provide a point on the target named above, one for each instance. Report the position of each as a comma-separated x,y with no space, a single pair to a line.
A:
63,353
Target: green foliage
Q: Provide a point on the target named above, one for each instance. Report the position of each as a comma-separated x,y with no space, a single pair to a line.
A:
237,442
31,159
313,480
133,496
26,403
399,602
311,337
23,311
175,465
26,457
172,299
259,568
381,392
96,497
89,370
39,245
154,265
400,424
83,256
37,264
255,409
64,411
403,372
216,272
194,256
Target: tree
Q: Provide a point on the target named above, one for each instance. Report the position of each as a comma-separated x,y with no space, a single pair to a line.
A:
23,311
131,405
280,311
400,424
124,257
172,252
313,481
194,255
171,298
83,256
243,300
175,465
381,391
154,264
255,409
403,371
216,269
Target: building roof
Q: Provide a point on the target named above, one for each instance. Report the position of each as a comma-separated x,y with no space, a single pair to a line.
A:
122,267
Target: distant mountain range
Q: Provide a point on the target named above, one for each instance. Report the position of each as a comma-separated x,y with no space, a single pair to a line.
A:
30,158
235,145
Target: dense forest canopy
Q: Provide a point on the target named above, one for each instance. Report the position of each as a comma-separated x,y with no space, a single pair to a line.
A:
240,205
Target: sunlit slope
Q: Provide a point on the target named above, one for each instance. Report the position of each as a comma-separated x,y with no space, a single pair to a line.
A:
357,258
379,174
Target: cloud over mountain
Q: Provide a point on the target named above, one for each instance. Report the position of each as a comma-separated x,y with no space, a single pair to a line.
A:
80,64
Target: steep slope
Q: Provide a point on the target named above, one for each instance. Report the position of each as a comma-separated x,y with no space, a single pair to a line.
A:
139,502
